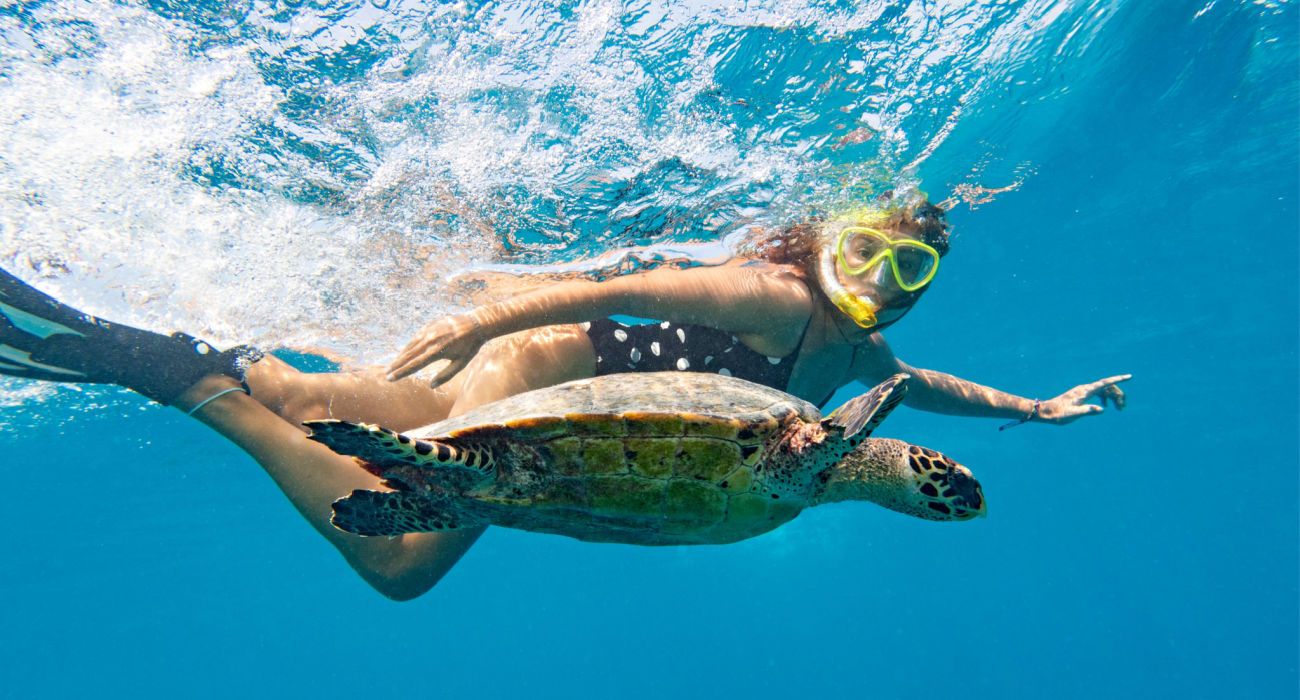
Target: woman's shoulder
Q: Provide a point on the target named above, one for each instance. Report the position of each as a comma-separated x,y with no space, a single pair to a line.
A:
740,272
786,281
761,264
767,268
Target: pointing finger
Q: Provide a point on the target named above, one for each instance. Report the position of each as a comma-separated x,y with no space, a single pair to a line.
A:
1108,381
1097,386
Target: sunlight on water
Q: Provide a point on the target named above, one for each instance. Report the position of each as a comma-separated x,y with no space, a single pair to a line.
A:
293,174
327,175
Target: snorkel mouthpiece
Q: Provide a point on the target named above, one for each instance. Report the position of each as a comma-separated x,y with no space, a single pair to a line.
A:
854,307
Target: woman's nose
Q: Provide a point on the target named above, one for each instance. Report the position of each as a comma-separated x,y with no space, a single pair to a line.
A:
881,277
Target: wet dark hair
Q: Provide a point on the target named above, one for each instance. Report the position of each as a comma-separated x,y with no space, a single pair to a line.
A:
800,245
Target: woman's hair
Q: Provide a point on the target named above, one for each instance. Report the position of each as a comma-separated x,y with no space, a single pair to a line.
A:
801,244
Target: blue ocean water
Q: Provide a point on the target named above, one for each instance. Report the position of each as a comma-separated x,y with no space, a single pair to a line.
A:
305,173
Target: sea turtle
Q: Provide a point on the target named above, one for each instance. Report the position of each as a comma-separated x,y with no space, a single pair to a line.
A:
649,458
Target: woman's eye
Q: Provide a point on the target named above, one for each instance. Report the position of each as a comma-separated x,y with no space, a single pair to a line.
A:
866,249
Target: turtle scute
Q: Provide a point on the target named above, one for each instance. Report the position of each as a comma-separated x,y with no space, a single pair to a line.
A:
706,459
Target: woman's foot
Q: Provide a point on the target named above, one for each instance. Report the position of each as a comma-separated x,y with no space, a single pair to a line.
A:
42,338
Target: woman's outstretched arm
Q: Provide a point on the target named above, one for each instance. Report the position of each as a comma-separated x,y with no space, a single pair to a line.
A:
937,392
741,298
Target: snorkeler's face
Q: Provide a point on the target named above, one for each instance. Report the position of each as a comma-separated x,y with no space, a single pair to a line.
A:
889,270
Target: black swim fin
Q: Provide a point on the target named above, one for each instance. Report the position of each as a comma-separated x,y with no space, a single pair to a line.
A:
41,338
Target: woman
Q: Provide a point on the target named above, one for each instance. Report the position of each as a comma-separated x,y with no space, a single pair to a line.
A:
799,310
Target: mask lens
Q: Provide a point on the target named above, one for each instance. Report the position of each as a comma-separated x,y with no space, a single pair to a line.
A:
914,265
862,249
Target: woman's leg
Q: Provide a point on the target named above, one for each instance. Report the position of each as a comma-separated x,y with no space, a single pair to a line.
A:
529,360
363,396
41,338
525,361
313,477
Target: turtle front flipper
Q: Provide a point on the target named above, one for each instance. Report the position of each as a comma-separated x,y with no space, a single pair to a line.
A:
863,414
380,448
378,514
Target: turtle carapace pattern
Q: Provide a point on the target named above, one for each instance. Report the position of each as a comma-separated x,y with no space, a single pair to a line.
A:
646,458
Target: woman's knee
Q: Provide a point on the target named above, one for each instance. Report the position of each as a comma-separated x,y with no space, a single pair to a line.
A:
284,390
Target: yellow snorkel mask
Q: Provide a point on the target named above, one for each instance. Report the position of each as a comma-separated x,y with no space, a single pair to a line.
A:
859,247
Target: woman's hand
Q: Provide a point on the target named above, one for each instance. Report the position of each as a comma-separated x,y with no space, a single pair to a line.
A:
455,338
1069,406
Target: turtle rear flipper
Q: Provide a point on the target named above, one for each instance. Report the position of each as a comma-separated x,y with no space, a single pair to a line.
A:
863,414
378,514
381,448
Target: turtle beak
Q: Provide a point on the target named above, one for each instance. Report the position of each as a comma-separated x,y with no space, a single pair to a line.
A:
969,493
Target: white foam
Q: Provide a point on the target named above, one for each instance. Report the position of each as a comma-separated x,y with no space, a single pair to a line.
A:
514,126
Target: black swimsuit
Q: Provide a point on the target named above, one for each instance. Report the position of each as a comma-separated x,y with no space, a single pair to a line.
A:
664,347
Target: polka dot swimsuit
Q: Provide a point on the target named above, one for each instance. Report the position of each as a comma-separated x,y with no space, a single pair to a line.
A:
664,347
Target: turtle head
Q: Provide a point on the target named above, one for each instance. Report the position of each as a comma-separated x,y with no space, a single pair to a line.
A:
906,478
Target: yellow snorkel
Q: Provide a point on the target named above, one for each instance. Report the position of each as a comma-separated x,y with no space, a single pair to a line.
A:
869,226
862,311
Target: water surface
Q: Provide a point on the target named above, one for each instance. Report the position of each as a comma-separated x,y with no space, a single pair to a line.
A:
1123,179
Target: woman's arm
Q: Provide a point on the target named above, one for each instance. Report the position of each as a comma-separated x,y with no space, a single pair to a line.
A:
736,298
741,298
938,392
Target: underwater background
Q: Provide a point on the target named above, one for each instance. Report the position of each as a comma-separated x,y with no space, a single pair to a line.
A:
1123,182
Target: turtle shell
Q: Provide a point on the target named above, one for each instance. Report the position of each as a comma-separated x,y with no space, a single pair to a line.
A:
624,404
655,458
